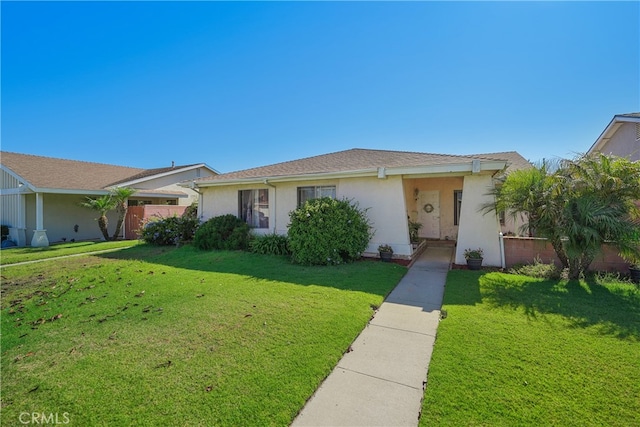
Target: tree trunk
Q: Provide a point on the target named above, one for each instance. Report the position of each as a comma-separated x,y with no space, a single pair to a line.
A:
103,223
558,247
122,213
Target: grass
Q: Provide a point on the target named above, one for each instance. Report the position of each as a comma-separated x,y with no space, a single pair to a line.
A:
151,336
514,350
16,255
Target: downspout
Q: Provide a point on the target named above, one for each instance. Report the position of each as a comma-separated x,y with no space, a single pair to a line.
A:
195,188
275,212
503,263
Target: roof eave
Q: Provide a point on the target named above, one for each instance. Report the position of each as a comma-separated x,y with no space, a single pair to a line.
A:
161,175
443,169
610,130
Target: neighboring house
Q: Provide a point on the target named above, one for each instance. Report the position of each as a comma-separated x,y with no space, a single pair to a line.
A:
41,196
443,192
621,137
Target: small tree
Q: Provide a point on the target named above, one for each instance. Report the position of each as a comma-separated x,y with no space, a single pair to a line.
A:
120,196
116,199
102,205
328,231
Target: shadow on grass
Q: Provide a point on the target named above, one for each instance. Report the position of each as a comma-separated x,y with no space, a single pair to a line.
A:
613,308
367,276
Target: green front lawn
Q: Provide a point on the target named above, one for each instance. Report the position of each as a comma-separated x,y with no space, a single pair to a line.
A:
154,336
15,255
514,350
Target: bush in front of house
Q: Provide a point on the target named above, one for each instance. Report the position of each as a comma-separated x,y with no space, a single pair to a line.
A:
326,231
222,232
171,230
270,244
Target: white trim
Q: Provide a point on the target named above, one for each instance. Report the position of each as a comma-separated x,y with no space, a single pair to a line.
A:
457,168
610,130
18,177
161,175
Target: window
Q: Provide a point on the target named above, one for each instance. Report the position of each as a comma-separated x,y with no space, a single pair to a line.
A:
310,193
457,206
253,207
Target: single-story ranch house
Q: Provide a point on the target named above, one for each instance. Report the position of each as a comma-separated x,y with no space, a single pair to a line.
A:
41,196
443,192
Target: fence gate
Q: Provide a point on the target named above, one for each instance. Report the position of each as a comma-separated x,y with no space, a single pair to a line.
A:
133,221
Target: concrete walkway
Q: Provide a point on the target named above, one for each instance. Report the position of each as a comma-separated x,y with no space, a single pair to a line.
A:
381,382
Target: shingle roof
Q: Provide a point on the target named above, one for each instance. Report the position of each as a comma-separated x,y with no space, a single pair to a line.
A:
63,174
359,159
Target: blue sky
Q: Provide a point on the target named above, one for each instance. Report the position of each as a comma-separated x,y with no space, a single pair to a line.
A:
237,84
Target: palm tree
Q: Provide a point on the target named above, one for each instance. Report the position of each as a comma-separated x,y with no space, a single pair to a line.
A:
120,196
102,205
578,207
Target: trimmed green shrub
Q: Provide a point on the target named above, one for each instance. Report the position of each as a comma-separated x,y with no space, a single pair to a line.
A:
270,244
326,231
222,232
4,232
538,269
191,211
171,230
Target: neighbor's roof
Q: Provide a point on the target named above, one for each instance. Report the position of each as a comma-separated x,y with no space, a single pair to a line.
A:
357,159
613,126
49,173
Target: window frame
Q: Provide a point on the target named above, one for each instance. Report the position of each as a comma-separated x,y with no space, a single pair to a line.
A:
457,206
258,198
317,190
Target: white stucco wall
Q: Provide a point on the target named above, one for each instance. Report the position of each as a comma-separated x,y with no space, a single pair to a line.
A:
169,183
624,143
477,230
384,199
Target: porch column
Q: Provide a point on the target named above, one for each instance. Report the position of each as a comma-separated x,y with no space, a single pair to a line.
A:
478,230
18,233
39,234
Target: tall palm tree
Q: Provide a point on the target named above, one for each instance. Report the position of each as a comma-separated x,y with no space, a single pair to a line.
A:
102,205
578,207
120,196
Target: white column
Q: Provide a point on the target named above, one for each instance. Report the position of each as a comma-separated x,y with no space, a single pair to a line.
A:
39,234
477,229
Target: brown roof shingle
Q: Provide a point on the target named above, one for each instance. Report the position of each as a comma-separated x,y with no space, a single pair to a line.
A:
360,159
62,174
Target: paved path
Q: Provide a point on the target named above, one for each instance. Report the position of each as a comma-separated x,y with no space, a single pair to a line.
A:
104,251
381,382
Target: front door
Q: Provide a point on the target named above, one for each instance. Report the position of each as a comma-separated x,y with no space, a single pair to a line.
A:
429,214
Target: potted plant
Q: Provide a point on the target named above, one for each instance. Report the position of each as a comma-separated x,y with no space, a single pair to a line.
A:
386,252
414,228
474,258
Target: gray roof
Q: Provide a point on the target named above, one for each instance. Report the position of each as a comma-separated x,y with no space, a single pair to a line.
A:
361,159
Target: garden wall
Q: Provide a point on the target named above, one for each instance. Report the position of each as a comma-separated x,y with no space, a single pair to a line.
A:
523,250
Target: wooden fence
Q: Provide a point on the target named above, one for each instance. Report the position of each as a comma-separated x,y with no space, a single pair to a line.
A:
137,215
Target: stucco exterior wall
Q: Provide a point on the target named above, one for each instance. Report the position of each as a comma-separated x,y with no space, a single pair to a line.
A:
169,183
478,230
382,197
624,143
446,186
61,213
